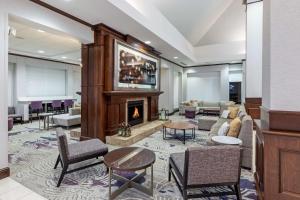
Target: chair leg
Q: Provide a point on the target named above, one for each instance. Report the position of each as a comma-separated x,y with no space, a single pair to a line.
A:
57,161
169,173
237,192
184,194
65,168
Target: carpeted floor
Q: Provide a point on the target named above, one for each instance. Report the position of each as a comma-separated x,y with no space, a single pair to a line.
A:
32,154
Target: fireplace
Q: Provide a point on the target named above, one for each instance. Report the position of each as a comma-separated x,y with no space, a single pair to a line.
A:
135,112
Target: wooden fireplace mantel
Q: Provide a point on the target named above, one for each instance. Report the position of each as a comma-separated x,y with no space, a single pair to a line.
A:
133,93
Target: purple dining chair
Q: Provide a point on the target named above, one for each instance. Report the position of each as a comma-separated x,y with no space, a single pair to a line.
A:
56,106
67,104
35,107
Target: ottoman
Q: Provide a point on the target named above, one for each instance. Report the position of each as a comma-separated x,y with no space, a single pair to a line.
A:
206,122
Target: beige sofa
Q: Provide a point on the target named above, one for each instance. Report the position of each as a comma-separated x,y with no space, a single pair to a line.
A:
70,119
205,106
246,133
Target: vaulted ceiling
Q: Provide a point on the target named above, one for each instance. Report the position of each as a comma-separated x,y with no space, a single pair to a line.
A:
193,18
195,31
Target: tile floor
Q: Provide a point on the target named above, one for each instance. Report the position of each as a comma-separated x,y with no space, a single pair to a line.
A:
12,190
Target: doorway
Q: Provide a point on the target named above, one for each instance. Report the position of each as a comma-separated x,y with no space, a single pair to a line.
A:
235,92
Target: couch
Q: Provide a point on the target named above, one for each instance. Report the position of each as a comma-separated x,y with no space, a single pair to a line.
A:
205,106
246,134
69,119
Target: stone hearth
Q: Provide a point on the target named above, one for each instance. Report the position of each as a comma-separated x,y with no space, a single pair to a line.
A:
138,133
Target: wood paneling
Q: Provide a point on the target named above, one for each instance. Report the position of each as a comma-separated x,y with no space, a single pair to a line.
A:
282,161
278,156
103,108
4,173
281,120
252,106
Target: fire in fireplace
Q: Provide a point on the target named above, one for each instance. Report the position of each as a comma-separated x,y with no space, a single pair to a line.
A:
135,112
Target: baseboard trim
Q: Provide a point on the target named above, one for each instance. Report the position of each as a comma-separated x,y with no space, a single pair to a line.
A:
4,173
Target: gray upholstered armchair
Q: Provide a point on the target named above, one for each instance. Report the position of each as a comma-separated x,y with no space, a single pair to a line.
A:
77,152
206,167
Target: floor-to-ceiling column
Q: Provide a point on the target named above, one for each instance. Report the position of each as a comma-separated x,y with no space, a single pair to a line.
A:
253,67
281,99
4,170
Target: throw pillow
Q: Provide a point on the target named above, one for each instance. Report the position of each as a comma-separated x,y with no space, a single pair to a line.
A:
225,114
234,127
223,129
241,114
233,111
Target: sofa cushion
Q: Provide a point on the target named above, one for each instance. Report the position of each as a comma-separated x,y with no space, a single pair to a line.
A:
223,129
215,128
194,103
67,120
75,111
246,132
233,111
241,114
225,114
210,108
87,148
200,103
211,104
234,129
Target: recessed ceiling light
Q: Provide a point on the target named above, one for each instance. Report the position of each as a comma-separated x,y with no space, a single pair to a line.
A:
148,42
64,57
41,51
41,31
175,57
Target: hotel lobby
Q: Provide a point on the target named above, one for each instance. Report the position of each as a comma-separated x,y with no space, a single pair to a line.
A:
149,99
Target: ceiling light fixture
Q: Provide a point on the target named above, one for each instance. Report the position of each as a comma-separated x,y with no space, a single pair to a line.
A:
41,31
148,42
64,57
41,51
175,57
12,31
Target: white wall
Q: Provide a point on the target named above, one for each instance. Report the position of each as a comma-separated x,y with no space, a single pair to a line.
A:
254,49
171,75
3,86
281,82
220,93
11,84
204,86
235,76
36,77
176,90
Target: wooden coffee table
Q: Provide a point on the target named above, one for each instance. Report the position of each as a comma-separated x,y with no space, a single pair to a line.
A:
130,159
183,126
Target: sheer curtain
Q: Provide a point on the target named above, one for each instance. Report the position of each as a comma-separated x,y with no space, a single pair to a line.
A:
42,81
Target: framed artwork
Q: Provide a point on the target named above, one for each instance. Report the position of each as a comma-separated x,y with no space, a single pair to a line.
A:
134,69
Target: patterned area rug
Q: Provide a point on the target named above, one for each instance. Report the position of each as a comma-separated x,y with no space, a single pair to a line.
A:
32,154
